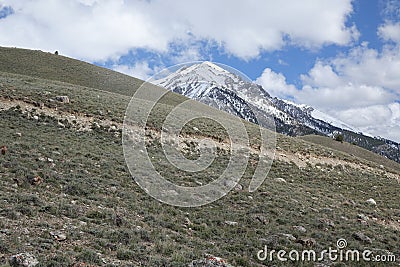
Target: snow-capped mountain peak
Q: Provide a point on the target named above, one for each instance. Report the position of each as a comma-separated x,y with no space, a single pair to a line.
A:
209,83
206,66
217,87
201,73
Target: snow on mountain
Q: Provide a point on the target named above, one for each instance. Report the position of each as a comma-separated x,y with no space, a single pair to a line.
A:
217,87
229,91
319,115
207,82
331,120
198,79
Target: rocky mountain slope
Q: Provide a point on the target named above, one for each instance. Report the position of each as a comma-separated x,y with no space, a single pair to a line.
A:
233,93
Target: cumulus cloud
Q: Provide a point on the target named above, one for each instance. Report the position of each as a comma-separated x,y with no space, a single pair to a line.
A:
366,116
276,85
329,99
369,66
390,32
139,70
99,30
378,120
322,75
361,78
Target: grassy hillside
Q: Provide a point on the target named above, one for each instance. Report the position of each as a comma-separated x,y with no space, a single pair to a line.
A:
59,68
352,150
85,209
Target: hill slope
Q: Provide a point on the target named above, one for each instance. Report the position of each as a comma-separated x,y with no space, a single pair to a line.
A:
351,149
59,68
85,207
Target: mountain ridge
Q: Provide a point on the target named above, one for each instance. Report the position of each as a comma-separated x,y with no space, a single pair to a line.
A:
219,88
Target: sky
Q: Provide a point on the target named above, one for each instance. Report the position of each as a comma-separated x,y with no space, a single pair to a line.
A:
341,57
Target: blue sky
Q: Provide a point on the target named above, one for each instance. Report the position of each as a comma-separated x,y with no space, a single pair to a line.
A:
339,56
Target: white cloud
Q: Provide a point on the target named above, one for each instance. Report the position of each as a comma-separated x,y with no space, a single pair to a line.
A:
330,99
390,31
322,75
99,30
378,120
367,116
248,27
139,70
361,78
368,66
364,75
186,53
275,84
361,88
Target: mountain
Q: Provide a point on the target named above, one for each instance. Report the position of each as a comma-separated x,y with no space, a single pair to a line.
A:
69,199
232,93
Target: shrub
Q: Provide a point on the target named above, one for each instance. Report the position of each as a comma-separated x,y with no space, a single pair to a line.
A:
125,254
339,138
89,256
